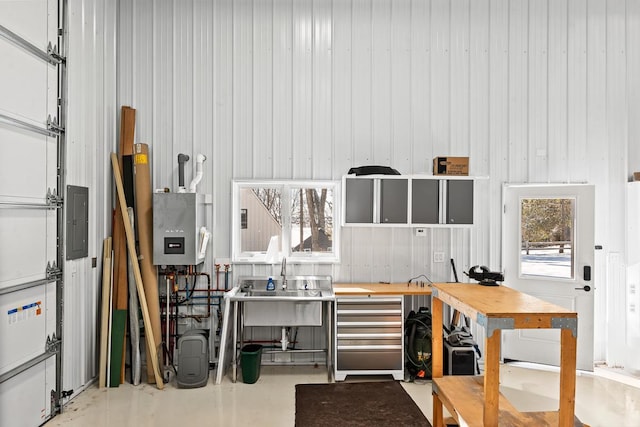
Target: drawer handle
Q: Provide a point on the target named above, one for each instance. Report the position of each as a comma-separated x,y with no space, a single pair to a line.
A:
370,347
370,336
369,311
349,324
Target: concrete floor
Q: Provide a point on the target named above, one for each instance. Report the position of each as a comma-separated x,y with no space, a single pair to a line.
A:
270,402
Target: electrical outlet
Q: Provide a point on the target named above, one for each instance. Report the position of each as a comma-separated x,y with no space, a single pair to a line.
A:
421,232
438,257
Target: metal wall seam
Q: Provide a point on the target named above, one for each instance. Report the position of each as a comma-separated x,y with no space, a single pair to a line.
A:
576,92
282,99
421,148
262,81
538,92
381,82
518,91
440,108
341,84
556,151
361,91
460,76
321,128
402,113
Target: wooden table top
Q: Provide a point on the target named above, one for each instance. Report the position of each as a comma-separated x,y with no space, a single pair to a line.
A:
362,289
497,301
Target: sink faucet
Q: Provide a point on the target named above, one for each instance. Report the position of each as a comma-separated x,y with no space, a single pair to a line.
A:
283,273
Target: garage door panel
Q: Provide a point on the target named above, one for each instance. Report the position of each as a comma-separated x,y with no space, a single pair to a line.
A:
25,400
26,321
29,166
30,309
30,19
27,243
24,85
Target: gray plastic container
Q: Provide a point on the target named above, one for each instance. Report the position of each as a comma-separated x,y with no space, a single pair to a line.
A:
193,359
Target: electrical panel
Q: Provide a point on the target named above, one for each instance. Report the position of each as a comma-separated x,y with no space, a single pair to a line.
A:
179,233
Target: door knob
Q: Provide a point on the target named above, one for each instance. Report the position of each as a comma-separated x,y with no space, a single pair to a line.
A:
585,288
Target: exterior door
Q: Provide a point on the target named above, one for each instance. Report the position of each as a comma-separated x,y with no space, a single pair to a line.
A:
548,252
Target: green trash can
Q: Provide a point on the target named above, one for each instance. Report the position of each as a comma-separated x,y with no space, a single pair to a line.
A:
250,359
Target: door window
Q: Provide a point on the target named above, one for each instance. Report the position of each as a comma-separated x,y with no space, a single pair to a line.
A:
547,234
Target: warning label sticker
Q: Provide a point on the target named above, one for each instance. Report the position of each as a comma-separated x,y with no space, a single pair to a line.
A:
25,312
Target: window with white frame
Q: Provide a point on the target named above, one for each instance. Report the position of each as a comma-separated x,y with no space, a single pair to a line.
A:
276,219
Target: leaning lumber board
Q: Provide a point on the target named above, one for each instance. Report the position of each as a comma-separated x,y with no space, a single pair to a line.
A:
131,245
120,280
127,134
118,326
144,224
104,315
134,319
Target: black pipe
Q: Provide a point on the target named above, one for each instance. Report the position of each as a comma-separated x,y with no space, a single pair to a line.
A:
182,159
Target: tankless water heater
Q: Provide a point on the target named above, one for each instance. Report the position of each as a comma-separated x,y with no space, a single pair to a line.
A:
179,236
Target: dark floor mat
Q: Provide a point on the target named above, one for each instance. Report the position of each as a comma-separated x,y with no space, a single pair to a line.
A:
367,404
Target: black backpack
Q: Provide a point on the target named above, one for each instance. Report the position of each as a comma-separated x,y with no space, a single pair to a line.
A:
417,330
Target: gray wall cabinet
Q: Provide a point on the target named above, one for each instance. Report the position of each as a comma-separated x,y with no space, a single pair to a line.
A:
402,200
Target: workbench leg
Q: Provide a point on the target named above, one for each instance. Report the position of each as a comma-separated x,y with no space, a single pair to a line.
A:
492,379
436,356
436,339
568,343
437,412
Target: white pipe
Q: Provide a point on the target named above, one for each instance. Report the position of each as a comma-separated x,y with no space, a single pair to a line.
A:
200,158
284,341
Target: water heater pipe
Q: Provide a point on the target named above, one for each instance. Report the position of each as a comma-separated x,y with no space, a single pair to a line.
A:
200,158
182,159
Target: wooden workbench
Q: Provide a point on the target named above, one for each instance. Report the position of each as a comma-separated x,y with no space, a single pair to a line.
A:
476,400
364,289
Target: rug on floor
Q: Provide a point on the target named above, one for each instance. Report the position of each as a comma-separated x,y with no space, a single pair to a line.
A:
356,404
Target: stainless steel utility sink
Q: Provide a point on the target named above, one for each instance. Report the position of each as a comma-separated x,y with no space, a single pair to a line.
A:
298,293
299,304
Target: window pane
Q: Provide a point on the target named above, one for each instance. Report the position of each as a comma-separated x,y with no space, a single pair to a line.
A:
311,220
263,218
547,237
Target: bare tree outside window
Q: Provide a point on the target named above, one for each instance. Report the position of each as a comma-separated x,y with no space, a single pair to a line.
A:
312,214
271,198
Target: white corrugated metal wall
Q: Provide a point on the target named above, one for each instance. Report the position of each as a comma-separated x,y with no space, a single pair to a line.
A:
91,135
531,90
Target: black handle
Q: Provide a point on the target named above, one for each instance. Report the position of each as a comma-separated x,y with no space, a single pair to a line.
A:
585,288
